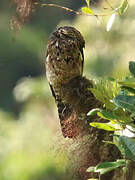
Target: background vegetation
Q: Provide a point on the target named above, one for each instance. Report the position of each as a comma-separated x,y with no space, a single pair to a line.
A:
30,135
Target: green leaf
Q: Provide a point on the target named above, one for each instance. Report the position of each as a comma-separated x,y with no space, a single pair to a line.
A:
127,147
130,82
129,89
104,126
123,7
87,10
126,102
111,79
97,94
107,115
109,166
132,67
91,169
103,99
93,112
103,114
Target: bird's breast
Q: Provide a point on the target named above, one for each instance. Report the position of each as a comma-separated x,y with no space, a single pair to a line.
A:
63,62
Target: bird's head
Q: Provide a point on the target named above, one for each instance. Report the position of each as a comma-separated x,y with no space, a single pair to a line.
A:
70,32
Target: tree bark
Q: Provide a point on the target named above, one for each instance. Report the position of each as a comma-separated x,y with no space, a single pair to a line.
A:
88,141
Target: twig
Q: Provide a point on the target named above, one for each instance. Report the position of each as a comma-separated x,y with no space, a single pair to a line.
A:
62,7
71,10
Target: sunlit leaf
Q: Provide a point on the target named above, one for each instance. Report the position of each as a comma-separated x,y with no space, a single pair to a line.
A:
107,115
123,7
105,167
93,112
103,114
109,166
87,10
97,94
126,102
104,126
100,97
127,147
91,169
111,21
130,82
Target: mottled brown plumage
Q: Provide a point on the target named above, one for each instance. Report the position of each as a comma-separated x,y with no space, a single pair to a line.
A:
64,59
64,62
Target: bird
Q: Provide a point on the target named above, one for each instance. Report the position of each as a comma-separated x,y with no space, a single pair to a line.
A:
64,62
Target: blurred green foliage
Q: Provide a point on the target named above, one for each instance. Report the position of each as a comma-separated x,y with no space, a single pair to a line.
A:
24,55
26,151
29,126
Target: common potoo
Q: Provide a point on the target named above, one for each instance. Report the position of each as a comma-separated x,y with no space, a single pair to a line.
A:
64,62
